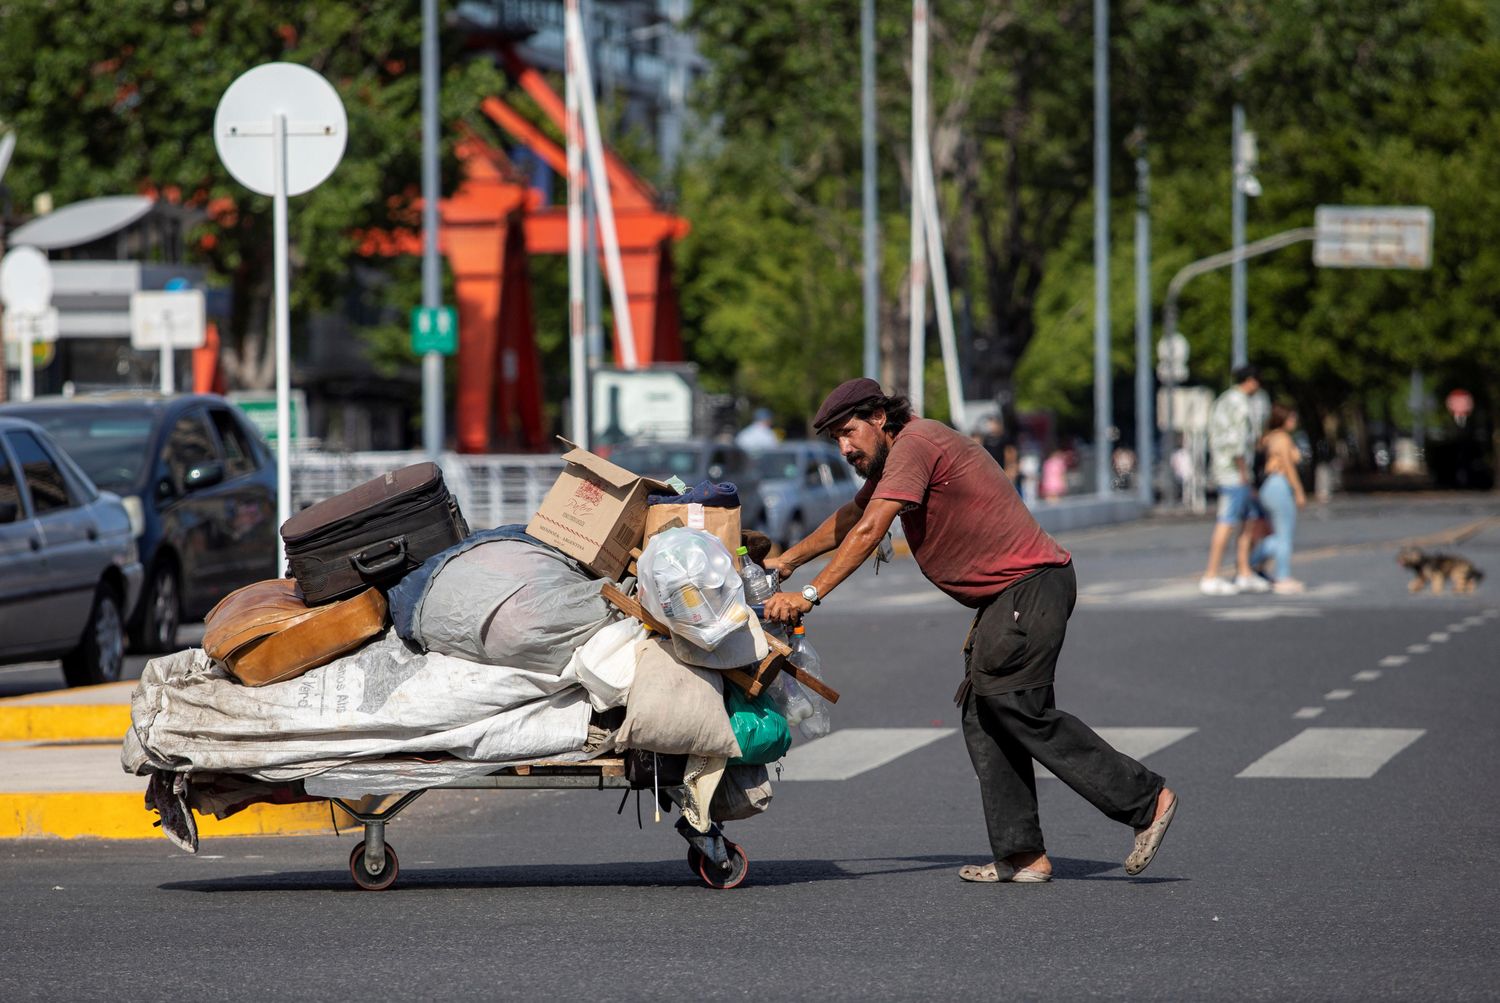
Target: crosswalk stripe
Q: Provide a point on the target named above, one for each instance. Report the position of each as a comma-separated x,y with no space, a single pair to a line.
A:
1418,649
849,752
1306,713
1137,743
1333,753
1367,675
1391,661
1437,636
1338,694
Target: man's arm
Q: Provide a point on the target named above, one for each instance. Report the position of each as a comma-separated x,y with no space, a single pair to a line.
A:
857,543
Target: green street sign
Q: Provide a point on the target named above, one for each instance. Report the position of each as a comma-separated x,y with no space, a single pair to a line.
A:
434,329
260,408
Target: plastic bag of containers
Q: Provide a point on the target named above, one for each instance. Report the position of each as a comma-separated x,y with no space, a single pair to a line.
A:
687,580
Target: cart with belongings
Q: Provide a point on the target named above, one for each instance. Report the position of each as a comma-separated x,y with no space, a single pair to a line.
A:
507,664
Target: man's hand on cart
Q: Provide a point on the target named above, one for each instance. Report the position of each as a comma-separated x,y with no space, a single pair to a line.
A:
787,607
783,569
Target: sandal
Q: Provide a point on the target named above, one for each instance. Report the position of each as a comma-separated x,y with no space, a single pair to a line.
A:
1148,840
989,873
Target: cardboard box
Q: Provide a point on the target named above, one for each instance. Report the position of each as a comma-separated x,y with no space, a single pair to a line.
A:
723,523
595,512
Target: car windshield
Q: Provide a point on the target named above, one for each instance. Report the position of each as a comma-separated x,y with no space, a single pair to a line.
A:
661,462
110,446
778,465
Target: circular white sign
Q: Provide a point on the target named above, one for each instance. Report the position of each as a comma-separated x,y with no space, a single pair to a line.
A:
316,127
25,280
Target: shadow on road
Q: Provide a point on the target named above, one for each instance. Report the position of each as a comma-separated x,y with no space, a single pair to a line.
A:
656,874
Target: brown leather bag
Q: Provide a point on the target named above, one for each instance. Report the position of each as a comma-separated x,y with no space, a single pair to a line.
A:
266,632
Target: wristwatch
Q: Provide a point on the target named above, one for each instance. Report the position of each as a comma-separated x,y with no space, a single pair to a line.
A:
810,593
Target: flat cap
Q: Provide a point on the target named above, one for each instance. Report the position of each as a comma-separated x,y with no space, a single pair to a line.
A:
847,396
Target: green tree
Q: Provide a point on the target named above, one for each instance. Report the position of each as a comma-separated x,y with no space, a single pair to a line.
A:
120,97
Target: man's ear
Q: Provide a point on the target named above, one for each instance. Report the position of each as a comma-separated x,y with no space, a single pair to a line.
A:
878,420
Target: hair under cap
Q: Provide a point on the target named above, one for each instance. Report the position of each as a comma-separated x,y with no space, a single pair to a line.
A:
847,396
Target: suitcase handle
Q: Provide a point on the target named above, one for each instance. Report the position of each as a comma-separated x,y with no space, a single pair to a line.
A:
375,561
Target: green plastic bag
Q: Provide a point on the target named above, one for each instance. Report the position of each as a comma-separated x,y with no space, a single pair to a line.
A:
761,731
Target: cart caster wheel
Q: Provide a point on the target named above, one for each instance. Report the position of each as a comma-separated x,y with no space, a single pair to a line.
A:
373,882
695,859
712,876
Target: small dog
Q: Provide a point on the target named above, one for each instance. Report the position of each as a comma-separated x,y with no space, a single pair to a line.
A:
1435,569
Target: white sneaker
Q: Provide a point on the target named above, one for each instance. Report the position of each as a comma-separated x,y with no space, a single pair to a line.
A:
1252,583
1217,587
1289,587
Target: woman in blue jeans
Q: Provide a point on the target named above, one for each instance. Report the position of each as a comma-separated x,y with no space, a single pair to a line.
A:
1281,495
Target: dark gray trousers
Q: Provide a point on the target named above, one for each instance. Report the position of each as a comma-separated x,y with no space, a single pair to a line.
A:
1005,733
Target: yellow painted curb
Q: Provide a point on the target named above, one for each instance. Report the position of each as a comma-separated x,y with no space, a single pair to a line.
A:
63,722
123,815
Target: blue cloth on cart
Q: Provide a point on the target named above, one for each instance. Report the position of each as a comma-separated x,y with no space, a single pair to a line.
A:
711,494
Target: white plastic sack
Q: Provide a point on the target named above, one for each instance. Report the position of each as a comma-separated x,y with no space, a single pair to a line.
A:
384,700
687,580
605,665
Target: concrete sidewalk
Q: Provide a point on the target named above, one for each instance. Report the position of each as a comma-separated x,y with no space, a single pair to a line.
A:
60,774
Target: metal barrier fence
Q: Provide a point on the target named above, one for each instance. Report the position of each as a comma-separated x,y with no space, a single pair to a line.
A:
492,490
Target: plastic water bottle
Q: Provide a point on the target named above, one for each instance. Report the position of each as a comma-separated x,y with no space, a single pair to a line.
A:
758,587
805,657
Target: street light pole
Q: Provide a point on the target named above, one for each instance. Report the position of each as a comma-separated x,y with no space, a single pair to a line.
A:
432,282
1143,424
1102,403
872,223
1238,350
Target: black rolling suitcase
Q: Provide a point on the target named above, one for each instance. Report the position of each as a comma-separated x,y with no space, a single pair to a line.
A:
372,534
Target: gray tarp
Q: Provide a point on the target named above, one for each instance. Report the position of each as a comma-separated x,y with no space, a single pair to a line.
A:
510,602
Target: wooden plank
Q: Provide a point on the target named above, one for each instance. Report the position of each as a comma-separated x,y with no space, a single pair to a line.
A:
608,766
611,592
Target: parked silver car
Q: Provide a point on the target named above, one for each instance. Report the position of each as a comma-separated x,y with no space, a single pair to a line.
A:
802,482
69,572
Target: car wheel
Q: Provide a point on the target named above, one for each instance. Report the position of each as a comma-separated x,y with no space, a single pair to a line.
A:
161,612
100,655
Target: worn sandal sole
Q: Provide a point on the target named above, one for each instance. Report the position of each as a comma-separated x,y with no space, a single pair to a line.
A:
1148,840
990,874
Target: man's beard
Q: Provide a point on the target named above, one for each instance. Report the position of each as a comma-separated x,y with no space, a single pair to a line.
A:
875,465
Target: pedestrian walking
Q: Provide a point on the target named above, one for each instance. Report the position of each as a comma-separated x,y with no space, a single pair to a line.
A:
1281,495
1232,435
976,541
759,434
1054,476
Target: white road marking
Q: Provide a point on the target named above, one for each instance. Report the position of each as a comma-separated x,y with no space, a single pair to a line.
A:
1334,753
1367,676
1338,694
909,599
1457,628
1391,661
1474,621
1137,743
1418,649
1437,637
1252,614
1308,712
849,752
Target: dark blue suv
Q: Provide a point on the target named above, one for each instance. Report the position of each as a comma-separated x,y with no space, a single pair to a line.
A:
199,484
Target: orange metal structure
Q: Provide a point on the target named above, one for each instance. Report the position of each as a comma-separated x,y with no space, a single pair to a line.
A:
489,227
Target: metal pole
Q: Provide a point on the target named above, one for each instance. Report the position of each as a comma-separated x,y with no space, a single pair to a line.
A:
168,376
1102,404
942,304
577,334
872,222
27,324
599,185
1144,432
1238,350
1419,417
917,341
432,281
283,336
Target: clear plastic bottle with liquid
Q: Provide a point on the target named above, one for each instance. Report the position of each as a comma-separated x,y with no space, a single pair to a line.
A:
820,721
758,587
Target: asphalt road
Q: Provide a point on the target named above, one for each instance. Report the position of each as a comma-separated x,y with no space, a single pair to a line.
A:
1335,754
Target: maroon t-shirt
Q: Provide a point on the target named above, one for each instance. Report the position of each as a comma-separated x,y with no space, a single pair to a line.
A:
968,528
